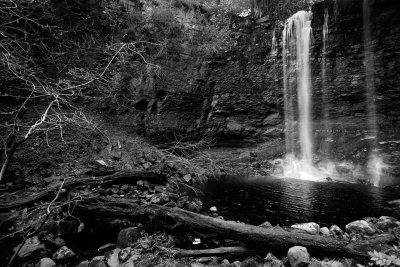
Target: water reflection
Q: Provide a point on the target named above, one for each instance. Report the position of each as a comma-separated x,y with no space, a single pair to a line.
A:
288,201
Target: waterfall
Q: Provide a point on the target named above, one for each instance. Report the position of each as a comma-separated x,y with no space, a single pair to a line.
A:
296,70
325,103
374,164
274,46
297,95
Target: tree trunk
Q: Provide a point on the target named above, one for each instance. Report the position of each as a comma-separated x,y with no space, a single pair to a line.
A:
257,237
129,177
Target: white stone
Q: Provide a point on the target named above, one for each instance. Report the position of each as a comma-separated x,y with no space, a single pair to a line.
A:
46,262
360,227
213,209
63,254
187,177
325,231
311,227
298,256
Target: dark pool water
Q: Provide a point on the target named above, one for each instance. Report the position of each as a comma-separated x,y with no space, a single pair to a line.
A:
288,201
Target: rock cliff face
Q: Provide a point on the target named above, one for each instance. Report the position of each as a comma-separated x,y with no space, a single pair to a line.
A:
237,97
346,79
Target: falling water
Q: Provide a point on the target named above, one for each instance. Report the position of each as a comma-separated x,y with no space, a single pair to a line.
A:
298,162
325,32
374,161
287,93
274,47
296,64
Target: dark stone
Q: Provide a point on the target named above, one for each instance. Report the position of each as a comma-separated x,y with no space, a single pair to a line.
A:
182,201
128,236
32,248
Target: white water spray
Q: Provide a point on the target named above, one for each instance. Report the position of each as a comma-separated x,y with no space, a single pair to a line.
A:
375,164
296,69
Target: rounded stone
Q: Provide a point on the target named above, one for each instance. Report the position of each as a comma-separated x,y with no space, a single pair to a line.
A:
310,227
298,256
360,227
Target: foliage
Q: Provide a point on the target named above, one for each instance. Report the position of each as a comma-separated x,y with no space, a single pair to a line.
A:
53,53
382,259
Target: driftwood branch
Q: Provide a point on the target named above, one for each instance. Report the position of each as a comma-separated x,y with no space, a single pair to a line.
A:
222,251
72,182
256,237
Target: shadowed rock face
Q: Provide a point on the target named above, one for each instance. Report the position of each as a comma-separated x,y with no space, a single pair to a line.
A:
237,97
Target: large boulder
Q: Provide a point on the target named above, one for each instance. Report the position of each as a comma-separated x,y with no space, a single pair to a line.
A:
298,256
385,223
361,227
310,228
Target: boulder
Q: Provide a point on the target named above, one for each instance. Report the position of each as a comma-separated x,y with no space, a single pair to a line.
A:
225,262
45,262
336,231
63,254
272,261
31,248
385,223
325,231
310,228
298,256
98,261
360,227
128,236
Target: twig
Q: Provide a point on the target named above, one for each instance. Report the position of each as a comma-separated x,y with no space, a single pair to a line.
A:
29,235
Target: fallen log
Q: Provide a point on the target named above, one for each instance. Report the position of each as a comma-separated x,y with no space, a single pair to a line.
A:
222,251
257,237
73,181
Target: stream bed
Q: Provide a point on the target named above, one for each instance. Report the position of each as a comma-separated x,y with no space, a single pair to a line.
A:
255,200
